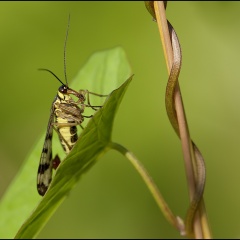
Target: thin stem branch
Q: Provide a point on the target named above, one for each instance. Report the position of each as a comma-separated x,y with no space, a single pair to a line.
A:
175,221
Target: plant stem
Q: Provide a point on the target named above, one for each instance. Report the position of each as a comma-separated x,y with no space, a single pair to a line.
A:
195,170
173,220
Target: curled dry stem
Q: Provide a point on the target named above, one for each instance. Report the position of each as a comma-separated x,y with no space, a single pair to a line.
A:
196,221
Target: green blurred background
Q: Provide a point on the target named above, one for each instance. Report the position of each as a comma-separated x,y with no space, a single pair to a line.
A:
111,200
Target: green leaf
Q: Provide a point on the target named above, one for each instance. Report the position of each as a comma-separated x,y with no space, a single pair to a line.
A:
103,72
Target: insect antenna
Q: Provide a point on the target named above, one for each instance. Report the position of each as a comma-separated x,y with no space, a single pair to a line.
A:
64,59
45,69
64,53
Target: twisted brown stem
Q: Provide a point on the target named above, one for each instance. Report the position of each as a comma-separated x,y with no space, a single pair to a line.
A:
200,174
196,221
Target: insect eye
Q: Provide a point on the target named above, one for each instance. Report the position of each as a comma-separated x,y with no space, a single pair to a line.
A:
63,89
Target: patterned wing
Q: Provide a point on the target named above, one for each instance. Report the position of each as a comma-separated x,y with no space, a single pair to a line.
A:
44,176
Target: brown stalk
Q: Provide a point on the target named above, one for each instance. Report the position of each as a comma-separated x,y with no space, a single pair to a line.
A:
200,219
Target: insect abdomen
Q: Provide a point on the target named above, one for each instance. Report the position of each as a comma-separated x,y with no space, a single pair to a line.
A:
69,135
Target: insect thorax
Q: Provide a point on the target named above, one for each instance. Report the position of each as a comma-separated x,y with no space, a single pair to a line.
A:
67,115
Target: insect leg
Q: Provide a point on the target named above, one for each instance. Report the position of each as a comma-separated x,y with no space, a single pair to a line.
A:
88,99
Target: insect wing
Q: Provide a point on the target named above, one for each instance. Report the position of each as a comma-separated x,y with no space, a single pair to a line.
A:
45,166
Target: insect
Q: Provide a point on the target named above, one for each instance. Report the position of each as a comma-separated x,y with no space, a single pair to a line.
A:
65,115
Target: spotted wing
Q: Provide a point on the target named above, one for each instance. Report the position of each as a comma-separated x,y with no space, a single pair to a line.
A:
44,176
